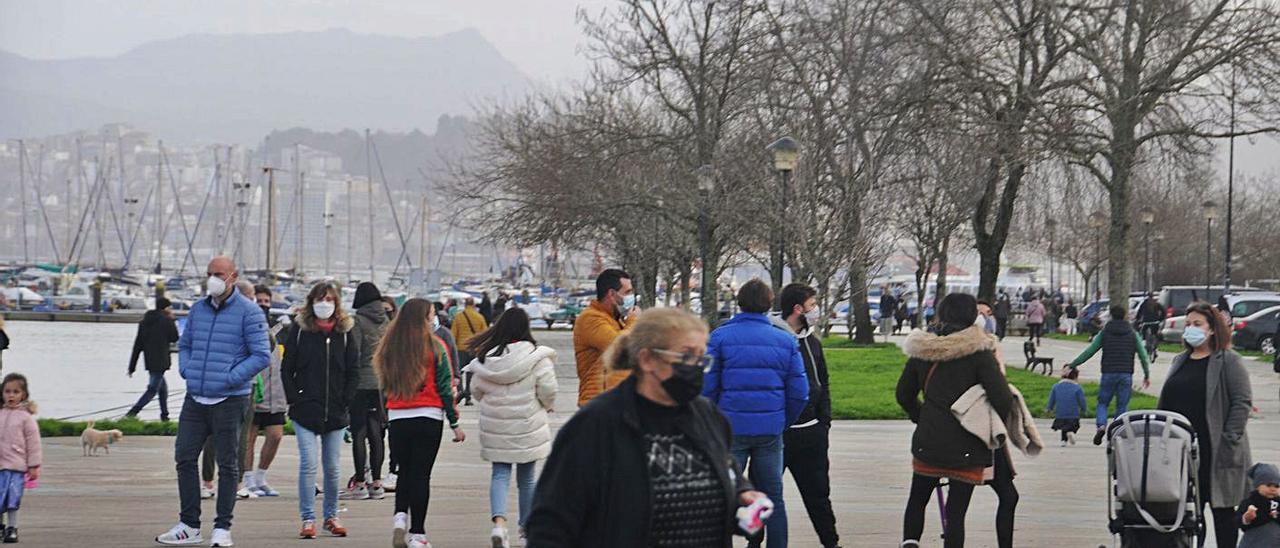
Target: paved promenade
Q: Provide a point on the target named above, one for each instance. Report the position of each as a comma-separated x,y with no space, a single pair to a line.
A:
126,498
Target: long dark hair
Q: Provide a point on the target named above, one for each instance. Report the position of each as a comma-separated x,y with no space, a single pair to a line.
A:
511,327
405,351
1220,338
956,312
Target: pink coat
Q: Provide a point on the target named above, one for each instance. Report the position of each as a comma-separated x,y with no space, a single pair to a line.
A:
19,439
1035,312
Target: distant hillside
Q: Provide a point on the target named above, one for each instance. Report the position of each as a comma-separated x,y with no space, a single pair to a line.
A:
237,88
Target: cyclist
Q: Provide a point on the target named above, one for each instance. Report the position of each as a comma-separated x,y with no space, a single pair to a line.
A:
1150,315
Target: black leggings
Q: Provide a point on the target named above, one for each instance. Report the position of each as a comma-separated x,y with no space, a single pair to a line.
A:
958,496
366,424
1224,527
1007,494
415,442
1034,331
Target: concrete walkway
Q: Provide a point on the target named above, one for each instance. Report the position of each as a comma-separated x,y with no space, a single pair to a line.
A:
127,498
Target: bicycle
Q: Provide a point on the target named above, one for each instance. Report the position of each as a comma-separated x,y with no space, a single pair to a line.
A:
1151,338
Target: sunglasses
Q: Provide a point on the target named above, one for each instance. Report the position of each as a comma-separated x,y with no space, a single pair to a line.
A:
687,359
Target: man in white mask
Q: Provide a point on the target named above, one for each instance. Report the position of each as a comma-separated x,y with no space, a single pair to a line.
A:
222,348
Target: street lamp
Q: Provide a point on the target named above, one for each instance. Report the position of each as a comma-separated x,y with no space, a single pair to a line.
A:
706,177
1096,221
1051,225
1210,209
1147,216
1158,236
785,151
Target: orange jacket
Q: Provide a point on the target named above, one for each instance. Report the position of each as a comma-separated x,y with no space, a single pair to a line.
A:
593,332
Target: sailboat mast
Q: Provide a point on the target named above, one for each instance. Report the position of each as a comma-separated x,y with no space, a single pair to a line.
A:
368,165
22,190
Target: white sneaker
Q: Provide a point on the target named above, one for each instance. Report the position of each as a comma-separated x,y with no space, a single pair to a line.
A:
246,493
358,493
389,483
499,537
220,537
418,541
207,493
1071,437
1063,444
181,535
400,530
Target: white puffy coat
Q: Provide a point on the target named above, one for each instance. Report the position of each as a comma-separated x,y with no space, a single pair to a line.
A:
515,389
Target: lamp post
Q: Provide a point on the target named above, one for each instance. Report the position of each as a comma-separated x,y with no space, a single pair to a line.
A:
706,177
1158,236
1096,221
328,229
1052,226
785,151
1147,216
1210,209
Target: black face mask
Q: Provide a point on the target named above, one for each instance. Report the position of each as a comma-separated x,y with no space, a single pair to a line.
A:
685,383
266,310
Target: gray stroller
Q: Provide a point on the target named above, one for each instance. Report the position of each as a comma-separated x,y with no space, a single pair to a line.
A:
1153,459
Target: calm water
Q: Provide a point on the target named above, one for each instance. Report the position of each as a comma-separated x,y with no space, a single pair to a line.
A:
79,368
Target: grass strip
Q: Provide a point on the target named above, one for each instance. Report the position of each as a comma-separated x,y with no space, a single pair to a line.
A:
51,428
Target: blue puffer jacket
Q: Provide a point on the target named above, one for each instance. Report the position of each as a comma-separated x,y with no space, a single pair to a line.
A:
222,349
758,379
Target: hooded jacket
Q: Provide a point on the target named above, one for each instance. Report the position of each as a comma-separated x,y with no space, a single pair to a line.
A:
515,386
19,438
321,371
594,490
223,347
959,360
593,332
155,333
1035,312
371,322
818,409
757,379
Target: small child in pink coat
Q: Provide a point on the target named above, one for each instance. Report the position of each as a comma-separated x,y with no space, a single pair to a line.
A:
19,458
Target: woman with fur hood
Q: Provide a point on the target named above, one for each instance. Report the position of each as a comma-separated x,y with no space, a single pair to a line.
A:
515,383
321,372
942,367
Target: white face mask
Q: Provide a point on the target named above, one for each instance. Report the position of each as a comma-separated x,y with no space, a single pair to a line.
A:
216,286
435,323
323,309
813,317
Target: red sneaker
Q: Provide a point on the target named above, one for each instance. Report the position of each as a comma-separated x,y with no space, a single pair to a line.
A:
334,528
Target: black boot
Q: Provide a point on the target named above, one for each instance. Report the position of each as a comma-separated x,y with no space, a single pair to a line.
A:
11,535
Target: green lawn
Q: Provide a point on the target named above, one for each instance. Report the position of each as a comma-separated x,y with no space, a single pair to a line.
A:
1165,347
130,427
863,381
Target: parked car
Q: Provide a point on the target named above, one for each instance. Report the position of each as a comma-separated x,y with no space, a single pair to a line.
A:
1096,313
1172,330
568,313
1257,331
1175,298
1250,303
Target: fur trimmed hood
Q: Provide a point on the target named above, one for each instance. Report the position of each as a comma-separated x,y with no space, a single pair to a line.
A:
306,321
927,346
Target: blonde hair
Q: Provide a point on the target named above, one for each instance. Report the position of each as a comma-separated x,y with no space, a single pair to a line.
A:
654,330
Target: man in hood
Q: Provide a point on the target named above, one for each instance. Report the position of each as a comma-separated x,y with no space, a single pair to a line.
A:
807,442
1119,343
367,426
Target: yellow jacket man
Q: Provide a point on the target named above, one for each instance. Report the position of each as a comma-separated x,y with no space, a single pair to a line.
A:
609,315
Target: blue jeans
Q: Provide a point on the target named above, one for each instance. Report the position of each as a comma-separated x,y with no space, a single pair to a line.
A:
526,481
156,385
763,454
1119,385
330,446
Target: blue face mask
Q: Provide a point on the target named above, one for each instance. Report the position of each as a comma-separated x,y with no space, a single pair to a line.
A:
1194,336
628,302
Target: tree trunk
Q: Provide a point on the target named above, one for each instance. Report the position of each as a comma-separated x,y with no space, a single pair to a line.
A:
860,326
1119,273
686,282
710,290
940,289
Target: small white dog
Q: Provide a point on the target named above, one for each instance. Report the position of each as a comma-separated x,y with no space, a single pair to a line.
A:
92,439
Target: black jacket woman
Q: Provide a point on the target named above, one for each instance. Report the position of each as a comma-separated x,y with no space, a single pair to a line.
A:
1208,384
321,372
606,482
943,367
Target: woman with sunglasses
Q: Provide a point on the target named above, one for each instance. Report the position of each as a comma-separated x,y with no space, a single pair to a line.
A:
648,463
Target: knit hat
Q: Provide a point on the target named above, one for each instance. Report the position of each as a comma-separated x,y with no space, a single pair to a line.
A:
366,293
162,303
1263,474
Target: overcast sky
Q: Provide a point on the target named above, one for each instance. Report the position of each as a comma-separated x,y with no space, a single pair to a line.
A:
540,36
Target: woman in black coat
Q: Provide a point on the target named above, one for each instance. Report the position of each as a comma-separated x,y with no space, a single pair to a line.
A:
610,481
942,367
320,374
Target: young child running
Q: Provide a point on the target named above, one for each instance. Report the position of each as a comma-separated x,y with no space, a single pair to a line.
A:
20,453
515,383
1067,403
414,371
1259,514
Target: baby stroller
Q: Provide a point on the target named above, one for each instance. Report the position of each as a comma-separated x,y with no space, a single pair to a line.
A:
1153,460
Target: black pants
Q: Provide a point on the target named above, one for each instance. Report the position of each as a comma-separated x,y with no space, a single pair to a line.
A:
1224,526
366,425
958,496
1002,325
415,442
464,393
1035,331
1007,494
805,454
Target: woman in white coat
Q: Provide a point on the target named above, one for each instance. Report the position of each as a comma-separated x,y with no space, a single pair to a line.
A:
515,385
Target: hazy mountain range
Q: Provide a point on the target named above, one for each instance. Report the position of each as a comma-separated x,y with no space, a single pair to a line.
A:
238,88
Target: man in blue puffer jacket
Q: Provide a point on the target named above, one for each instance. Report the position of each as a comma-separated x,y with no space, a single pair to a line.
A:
223,346
758,382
